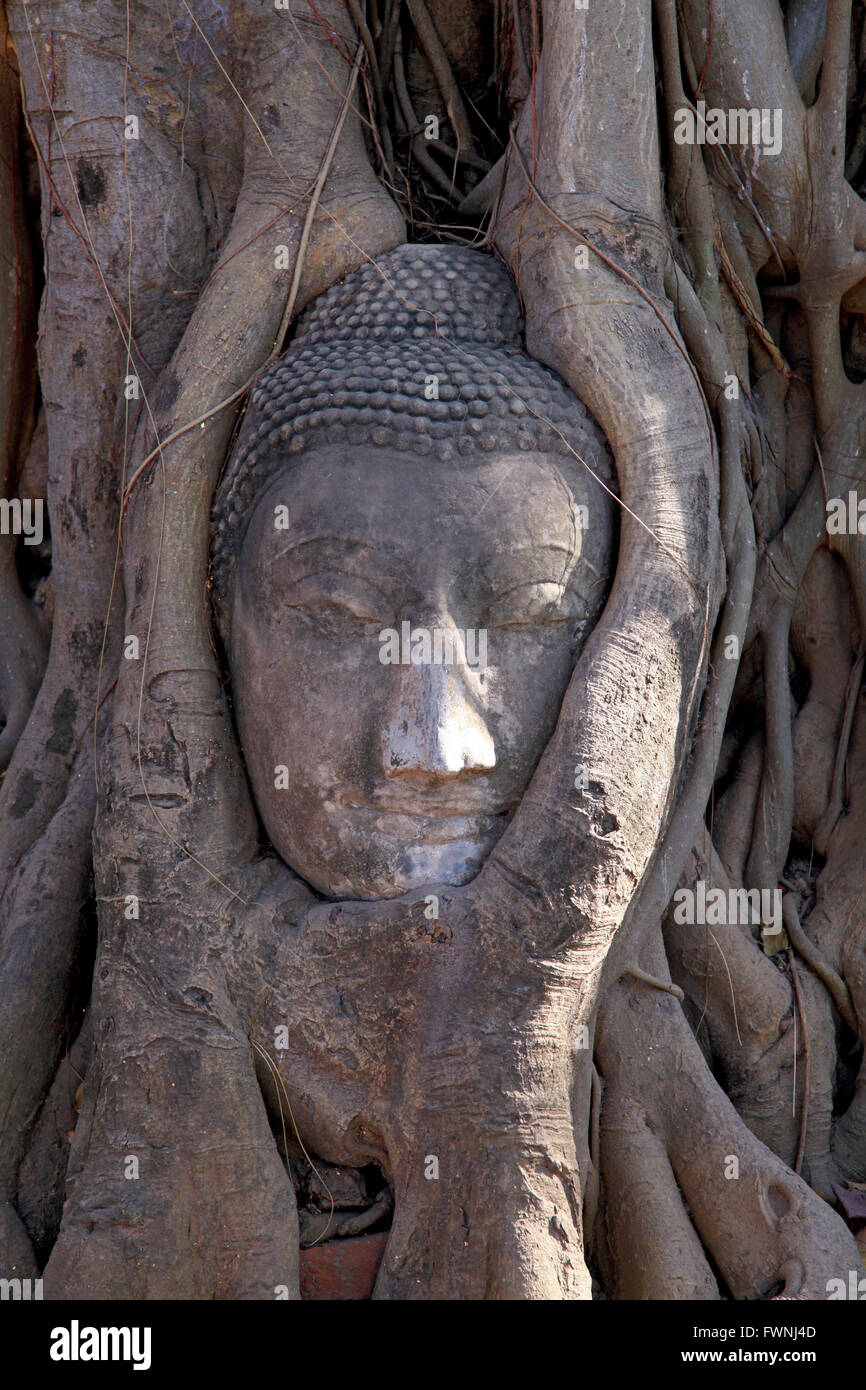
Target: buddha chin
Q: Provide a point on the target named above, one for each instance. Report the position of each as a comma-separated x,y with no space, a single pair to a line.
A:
385,855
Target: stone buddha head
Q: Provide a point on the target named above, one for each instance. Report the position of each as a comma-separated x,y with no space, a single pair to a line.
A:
408,557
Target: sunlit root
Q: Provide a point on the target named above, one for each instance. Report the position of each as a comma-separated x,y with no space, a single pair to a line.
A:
752,1213
654,1250
744,1005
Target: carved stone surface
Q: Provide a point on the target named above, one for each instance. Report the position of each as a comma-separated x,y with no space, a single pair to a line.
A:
408,557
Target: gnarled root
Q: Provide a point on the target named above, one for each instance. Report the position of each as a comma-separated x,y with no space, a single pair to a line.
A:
752,1213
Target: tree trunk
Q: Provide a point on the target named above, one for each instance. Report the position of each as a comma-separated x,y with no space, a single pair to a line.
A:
564,1086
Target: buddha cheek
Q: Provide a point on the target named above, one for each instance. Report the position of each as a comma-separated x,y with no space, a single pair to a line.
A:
314,710
524,692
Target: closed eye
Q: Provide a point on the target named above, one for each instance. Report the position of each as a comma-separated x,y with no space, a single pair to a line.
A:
529,604
338,592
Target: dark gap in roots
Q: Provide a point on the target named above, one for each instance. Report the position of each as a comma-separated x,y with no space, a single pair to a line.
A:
849,1057
316,1181
81,983
744,721
800,681
696,1018
802,868
773,1291
403,117
770,276
352,1191
32,185
34,562
852,334
855,125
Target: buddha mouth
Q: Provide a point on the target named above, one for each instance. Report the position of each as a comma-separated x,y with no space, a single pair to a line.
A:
433,805
434,824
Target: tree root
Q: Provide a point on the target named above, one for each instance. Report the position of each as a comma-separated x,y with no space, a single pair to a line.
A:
653,1250
728,978
637,974
824,828
751,1212
836,987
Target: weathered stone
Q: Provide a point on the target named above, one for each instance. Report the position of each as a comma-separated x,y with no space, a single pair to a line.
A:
464,518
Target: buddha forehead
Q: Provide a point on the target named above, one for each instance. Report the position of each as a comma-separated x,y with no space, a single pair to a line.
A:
417,514
419,355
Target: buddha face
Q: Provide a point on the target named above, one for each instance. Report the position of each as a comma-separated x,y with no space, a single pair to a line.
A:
402,633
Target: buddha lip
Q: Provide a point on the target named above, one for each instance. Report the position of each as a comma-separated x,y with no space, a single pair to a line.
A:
475,829
431,814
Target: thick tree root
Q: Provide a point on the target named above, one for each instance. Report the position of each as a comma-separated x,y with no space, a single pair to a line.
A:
653,1250
751,1212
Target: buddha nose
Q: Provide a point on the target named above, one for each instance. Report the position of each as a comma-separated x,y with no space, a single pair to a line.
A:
435,727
